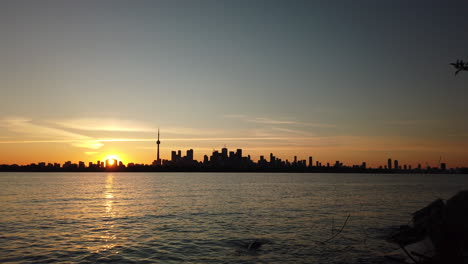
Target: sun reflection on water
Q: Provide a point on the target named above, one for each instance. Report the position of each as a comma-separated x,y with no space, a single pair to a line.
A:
109,195
108,235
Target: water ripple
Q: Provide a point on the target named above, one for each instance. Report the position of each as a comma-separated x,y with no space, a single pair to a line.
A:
207,218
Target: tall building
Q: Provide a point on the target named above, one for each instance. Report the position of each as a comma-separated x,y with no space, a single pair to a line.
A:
158,160
239,153
215,156
224,152
389,164
396,166
190,155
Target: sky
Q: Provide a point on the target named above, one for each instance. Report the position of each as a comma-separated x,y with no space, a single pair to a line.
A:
342,80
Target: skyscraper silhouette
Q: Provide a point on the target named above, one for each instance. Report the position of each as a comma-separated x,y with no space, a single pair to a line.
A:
158,160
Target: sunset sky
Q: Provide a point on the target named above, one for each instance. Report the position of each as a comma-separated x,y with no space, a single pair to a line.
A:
337,80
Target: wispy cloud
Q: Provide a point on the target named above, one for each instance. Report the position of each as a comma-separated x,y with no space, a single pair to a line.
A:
293,131
37,133
122,125
413,122
270,121
234,116
335,143
458,135
201,139
31,131
27,141
185,131
91,124
197,139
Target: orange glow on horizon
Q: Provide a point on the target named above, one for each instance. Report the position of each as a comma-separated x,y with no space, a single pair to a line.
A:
112,158
350,151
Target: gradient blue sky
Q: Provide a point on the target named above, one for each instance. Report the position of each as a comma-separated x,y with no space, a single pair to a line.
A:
338,80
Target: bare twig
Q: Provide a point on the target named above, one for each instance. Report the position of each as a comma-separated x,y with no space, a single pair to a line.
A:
407,253
333,226
336,234
420,255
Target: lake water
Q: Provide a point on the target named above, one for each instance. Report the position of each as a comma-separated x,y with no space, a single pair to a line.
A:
208,217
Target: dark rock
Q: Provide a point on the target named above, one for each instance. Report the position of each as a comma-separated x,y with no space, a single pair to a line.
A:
406,235
445,224
426,222
429,220
456,216
452,241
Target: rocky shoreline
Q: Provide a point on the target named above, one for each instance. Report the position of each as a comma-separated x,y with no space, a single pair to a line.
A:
438,233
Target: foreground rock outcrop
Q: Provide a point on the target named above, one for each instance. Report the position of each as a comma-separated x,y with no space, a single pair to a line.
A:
438,232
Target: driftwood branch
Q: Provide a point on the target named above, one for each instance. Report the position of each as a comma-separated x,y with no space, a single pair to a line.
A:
336,234
407,253
420,255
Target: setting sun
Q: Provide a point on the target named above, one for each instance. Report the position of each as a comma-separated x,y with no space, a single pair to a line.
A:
111,158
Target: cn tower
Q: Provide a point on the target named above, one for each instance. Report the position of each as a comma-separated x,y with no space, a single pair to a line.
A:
157,158
158,161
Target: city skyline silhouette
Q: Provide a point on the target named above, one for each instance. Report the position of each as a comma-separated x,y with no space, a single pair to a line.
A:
231,161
